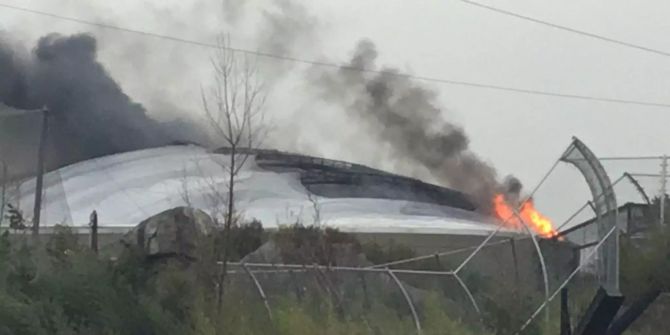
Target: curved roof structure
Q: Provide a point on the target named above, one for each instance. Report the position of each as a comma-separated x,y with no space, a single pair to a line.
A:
275,188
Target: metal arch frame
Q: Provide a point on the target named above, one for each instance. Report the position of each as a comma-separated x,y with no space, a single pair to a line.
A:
485,243
479,248
295,268
303,268
417,321
565,283
458,269
604,183
606,209
588,204
596,168
460,250
439,254
638,187
493,233
468,293
540,255
260,290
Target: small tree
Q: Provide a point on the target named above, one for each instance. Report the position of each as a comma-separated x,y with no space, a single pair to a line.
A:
16,219
234,107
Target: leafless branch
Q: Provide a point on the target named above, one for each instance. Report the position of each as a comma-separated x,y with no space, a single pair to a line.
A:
316,208
185,191
234,108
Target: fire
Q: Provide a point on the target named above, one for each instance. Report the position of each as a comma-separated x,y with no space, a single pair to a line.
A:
531,216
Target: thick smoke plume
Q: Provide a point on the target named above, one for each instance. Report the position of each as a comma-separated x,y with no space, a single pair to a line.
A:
406,117
90,114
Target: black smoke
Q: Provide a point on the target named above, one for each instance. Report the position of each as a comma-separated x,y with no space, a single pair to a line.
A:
90,115
405,116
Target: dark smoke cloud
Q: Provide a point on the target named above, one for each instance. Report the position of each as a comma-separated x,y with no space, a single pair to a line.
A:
286,26
406,116
91,115
283,27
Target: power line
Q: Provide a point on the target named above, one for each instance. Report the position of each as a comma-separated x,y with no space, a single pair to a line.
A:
566,28
341,66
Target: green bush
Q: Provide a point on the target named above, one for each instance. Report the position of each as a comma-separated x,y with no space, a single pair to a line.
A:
311,245
63,288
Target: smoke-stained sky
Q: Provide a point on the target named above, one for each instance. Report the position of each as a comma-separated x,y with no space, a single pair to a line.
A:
516,133
90,116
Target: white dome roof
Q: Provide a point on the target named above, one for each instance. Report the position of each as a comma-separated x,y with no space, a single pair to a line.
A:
126,188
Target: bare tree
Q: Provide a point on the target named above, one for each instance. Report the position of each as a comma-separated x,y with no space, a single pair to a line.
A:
316,206
234,107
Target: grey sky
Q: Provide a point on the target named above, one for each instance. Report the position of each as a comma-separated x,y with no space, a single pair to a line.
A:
519,134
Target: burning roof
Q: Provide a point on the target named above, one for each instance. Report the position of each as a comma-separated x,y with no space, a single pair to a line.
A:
126,188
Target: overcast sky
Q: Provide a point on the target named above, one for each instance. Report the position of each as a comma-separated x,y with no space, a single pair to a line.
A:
519,134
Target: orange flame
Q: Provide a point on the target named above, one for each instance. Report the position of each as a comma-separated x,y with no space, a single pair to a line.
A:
531,216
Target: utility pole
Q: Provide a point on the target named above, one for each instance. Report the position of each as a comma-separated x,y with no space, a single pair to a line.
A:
664,184
40,171
13,112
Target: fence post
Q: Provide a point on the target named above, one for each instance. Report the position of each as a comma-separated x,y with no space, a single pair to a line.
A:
94,231
437,261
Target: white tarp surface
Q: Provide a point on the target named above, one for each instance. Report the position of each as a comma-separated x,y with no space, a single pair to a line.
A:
126,188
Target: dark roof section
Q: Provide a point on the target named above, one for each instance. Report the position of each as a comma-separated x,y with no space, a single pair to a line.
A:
339,179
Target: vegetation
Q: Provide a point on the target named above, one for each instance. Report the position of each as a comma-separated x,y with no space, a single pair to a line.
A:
61,287
645,275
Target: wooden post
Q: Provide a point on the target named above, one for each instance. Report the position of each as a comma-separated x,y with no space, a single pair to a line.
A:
94,231
40,172
437,261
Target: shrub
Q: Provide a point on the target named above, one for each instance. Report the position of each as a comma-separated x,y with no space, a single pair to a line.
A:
308,245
